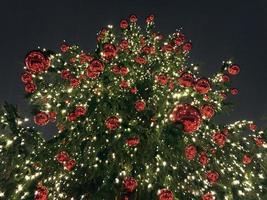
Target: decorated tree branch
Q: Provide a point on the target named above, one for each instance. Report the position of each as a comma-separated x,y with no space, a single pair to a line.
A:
135,121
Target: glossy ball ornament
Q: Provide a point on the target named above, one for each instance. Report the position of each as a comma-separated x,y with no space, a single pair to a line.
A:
124,24
234,91
150,19
132,142
41,118
140,60
225,78
208,196
94,69
203,159
37,62
30,87
124,44
259,141
72,117
134,90
165,194
187,47
80,111
190,152
74,82
162,79
212,176
70,164
219,138
233,69
124,84
64,47
140,105
133,18
186,80
189,116
130,184
62,157
41,193
124,71
207,111
65,74
202,86
179,40
109,51
247,159
252,127
26,77
112,123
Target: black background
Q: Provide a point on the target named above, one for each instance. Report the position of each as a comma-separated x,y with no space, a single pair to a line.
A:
218,29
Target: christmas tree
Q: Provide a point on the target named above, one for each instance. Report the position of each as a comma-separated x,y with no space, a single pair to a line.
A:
135,121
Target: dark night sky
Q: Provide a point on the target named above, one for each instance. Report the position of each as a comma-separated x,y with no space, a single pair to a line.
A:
219,30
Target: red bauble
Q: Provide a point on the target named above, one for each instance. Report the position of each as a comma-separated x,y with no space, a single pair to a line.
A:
134,141
162,79
167,48
234,91
70,164
30,87
36,62
233,69
259,141
64,47
124,71
72,117
65,74
133,18
140,60
188,115
94,68
124,84
115,69
140,105
74,82
219,139
165,194
179,40
252,127
207,111
124,44
109,51
134,90
52,116
225,78
203,159
124,24
202,86
80,111
187,47
41,118
190,152
62,157
150,19
85,58
146,49
130,184
26,77
208,196
112,123
186,80
212,176
41,193
247,159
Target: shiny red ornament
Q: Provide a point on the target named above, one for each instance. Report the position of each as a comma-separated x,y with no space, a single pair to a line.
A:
140,105
124,44
74,82
247,159
208,196
41,193
124,84
52,116
186,80
207,111
150,19
219,139
95,68
41,118
187,115
140,60
179,40
225,78
132,142
252,127
62,157
124,24
202,86
26,77
165,194
259,141
115,69
30,87
64,47
233,69
146,49
72,117
130,184
80,111
112,123
65,74
223,95
234,91
109,51
203,159
190,152
187,47
167,48
124,71
85,58
212,176
133,18
162,79
70,164
134,90
37,62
